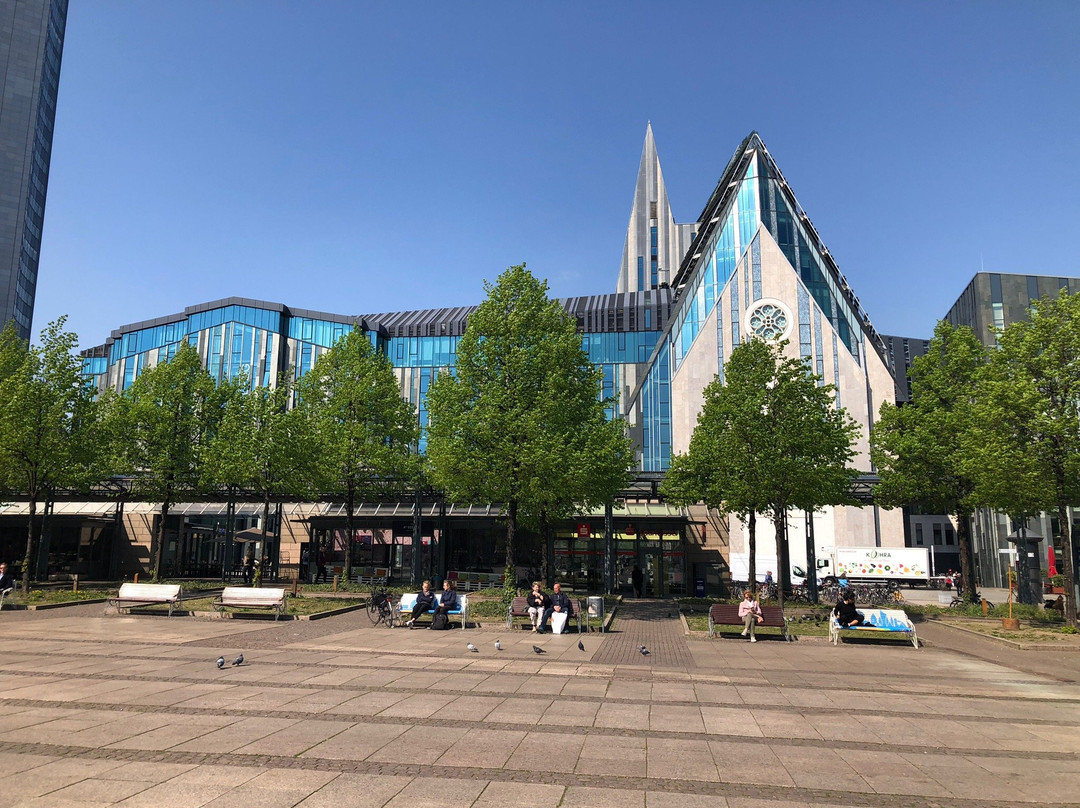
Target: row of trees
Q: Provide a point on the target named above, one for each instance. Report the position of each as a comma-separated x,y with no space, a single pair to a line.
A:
985,428
518,422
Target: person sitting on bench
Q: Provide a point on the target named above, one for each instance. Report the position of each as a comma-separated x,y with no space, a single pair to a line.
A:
559,603
846,612
750,613
425,602
539,607
448,600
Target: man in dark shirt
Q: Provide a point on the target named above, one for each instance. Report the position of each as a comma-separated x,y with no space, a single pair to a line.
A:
6,581
559,603
846,612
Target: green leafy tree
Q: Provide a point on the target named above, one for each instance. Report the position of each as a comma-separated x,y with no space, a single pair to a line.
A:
166,419
921,448
520,421
261,446
769,438
1024,452
362,429
45,422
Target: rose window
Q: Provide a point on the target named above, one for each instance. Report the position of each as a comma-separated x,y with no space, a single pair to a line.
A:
769,321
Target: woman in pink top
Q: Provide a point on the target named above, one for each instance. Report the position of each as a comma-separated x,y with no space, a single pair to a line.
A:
750,612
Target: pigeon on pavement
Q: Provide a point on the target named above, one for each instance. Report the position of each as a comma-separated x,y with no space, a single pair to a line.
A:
538,650
498,645
220,662
238,661
580,645
472,647
644,651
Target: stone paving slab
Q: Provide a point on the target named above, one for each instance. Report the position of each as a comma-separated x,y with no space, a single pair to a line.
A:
134,712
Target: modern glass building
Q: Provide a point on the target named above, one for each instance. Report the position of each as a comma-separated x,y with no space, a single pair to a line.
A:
751,265
32,33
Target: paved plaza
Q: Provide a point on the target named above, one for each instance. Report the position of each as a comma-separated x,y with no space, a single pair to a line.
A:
132,711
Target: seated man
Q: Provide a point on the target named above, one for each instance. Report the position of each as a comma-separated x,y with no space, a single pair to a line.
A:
425,602
7,583
561,604
846,613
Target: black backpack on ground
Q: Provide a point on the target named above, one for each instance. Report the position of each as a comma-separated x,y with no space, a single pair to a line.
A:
440,622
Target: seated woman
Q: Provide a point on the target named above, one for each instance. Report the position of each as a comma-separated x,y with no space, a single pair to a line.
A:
539,603
425,602
750,612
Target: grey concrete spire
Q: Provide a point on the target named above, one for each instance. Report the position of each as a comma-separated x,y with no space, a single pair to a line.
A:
649,261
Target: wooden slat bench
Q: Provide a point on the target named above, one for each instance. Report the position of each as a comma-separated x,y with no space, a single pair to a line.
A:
241,597
408,600
885,621
519,607
146,595
727,614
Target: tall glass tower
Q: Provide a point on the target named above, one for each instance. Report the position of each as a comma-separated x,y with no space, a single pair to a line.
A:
32,37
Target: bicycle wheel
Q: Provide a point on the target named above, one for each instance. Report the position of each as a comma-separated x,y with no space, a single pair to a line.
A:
386,613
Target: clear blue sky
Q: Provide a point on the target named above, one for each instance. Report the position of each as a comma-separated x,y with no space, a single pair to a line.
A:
364,157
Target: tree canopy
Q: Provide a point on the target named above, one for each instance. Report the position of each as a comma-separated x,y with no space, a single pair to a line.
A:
768,438
361,429
920,448
520,419
1024,453
46,422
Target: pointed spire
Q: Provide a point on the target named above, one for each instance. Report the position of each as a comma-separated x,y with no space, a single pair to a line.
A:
654,243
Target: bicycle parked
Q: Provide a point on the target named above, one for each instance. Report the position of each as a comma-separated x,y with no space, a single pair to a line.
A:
380,606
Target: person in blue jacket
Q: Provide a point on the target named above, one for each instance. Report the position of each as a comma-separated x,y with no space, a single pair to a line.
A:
448,601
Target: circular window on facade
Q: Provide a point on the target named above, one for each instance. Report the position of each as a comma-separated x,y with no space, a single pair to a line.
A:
769,320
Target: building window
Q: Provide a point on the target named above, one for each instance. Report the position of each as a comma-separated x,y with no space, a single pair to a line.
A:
769,320
918,535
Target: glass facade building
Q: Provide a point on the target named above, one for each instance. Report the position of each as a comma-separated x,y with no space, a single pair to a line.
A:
32,33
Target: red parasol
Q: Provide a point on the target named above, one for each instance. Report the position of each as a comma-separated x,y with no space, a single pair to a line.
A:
1050,561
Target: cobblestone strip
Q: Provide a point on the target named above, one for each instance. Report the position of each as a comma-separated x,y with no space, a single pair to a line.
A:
698,787
654,624
554,729
574,698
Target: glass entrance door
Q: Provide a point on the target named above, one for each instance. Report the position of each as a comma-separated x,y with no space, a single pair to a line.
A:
653,567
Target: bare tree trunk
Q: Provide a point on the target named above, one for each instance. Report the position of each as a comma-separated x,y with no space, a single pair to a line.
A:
511,538
967,556
31,546
350,505
159,552
751,544
783,575
1067,565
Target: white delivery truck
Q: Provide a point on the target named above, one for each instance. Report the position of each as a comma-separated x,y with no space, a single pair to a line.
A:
909,565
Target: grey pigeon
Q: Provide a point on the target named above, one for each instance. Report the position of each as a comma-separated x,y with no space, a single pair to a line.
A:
472,647
580,645
644,651
220,662
238,661
498,645
538,650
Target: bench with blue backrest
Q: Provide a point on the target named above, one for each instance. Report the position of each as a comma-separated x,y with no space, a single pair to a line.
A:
882,622
408,600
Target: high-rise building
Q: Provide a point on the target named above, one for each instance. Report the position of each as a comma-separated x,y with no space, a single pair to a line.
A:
993,300
655,245
32,33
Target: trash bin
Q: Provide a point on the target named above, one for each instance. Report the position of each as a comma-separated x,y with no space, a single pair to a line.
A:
594,610
699,587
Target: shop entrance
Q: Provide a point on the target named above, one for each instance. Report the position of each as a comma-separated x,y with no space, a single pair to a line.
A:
652,564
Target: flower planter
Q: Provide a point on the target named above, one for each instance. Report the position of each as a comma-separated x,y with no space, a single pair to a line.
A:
1057,590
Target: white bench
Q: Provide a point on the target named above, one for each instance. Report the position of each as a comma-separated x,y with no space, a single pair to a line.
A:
409,600
241,597
885,621
146,595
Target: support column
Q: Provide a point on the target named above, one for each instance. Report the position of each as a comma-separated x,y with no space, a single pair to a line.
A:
811,559
609,550
417,540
